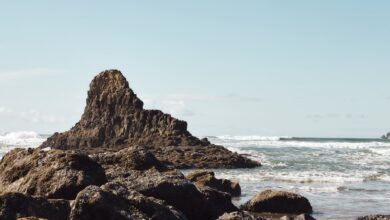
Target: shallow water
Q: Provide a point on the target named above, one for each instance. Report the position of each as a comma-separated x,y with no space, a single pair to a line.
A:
342,178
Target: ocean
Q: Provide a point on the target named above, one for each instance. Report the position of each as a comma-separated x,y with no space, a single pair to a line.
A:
342,178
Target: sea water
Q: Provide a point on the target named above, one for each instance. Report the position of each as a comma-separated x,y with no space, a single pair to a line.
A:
342,178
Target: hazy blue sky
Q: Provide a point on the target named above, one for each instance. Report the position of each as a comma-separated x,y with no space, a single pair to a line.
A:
295,68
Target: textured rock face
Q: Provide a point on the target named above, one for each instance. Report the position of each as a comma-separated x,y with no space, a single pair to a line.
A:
95,203
278,202
18,205
375,217
207,178
114,118
153,179
239,215
53,174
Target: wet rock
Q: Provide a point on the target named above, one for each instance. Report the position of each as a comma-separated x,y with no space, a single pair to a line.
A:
239,215
98,204
374,217
18,205
217,202
52,174
114,118
274,201
207,178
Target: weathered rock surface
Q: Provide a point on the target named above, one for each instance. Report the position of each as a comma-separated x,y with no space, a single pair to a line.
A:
114,118
207,178
375,217
52,174
98,204
18,205
298,217
239,215
274,201
151,178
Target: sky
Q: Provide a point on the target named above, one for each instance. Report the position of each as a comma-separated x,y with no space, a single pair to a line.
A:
269,68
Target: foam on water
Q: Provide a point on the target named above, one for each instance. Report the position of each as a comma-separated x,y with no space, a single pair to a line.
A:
20,139
335,174
343,178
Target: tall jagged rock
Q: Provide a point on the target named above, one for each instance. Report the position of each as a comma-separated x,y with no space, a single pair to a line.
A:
114,118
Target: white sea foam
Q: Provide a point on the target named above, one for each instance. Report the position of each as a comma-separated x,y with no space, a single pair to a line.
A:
255,141
21,139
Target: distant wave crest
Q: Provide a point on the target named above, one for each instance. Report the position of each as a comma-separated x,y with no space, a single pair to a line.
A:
22,139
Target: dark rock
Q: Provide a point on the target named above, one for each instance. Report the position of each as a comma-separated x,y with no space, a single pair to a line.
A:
217,202
52,174
31,218
304,217
18,205
114,118
298,217
98,204
239,215
374,217
274,201
153,179
207,178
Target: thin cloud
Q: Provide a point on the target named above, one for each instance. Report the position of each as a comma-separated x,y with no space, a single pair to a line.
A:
328,116
23,73
30,116
173,107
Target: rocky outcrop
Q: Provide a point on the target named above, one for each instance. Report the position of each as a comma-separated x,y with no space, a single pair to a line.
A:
18,205
207,178
153,179
375,217
127,184
53,174
274,201
114,118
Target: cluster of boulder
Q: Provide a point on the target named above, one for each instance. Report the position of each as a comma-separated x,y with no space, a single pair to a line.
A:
127,184
120,161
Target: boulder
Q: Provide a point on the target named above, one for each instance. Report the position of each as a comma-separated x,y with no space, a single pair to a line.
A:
374,217
275,201
102,204
19,205
114,117
153,179
53,174
207,178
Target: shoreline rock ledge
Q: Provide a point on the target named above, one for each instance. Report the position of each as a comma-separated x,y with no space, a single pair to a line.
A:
114,118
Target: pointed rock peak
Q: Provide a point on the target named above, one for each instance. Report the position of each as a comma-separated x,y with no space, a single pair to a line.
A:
109,90
108,80
114,118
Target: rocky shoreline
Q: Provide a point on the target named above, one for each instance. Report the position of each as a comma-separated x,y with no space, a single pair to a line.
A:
120,161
